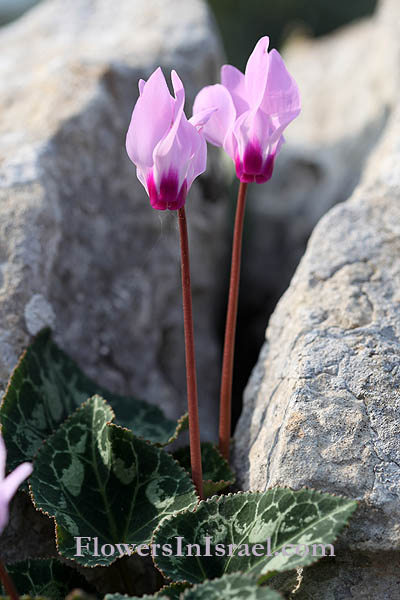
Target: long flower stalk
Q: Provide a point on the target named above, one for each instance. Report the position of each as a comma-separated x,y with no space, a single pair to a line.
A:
191,379
251,110
8,583
230,327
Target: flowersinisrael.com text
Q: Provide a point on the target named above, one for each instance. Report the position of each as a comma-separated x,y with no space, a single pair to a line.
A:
91,545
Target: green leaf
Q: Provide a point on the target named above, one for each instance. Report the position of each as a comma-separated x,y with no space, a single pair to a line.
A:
24,597
44,577
47,386
274,519
99,481
217,474
231,587
173,591
124,597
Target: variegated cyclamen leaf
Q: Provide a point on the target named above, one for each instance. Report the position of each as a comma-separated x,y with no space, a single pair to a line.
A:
231,587
25,597
273,519
217,474
44,577
125,597
99,481
47,386
228,587
173,591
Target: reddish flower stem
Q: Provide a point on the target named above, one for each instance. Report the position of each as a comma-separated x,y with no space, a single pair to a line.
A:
8,583
191,381
230,327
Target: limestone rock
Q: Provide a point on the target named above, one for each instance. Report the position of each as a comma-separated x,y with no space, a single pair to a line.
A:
349,82
76,228
322,407
38,314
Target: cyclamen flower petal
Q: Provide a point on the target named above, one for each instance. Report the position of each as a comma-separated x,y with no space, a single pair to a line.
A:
200,119
233,80
151,117
256,73
224,115
283,97
168,150
265,99
9,484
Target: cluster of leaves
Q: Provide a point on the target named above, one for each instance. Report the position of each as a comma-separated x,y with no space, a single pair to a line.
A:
102,472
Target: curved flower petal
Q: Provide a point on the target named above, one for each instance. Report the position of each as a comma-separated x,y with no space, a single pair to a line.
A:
257,145
222,120
201,118
151,119
254,128
141,85
11,483
282,97
230,145
142,174
3,457
234,81
170,155
164,146
3,514
169,163
199,163
174,154
179,92
256,73
198,151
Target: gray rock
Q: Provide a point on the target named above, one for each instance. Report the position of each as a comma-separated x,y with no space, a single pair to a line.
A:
322,407
76,226
348,83
39,314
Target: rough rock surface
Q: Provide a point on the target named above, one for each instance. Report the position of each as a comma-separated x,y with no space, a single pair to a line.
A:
78,238
322,407
348,82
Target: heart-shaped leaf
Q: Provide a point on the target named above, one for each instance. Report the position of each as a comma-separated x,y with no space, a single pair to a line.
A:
231,587
44,577
47,386
217,475
252,532
105,486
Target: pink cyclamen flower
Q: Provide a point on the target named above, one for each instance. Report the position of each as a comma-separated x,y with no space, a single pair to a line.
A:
251,112
9,484
167,149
